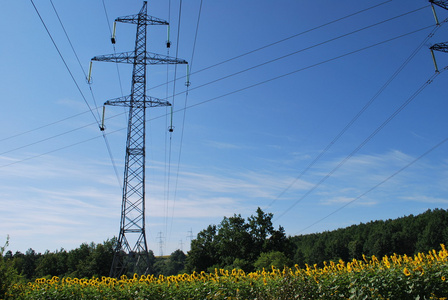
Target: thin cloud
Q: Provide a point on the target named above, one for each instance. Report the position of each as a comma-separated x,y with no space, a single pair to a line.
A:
337,201
244,184
207,207
222,145
427,199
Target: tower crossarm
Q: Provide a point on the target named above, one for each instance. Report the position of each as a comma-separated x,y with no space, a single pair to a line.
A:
442,47
148,59
441,3
127,101
144,19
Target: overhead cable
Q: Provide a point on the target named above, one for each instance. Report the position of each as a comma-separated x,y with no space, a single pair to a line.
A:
184,117
252,52
363,143
91,91
282,40
172,107
304,68
353,120
377,185
283,75
115,52
43,126
308,48
74,52
65,64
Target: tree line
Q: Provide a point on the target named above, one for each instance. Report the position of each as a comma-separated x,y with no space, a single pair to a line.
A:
247,244
406,235
237,243
86,261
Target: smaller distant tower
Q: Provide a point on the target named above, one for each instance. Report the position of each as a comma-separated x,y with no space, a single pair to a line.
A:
160,238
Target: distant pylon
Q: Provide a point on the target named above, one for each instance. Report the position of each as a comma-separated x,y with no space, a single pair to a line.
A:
190,234
131,249
160,237
181,245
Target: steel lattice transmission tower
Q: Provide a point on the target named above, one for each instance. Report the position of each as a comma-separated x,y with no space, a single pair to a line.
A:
131,251
441,3
442,47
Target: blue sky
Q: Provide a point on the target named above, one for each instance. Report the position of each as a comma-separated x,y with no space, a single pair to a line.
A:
252,125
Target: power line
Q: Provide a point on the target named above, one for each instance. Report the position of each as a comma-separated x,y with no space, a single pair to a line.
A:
185,106
46,139
195,36
171,127
375,132
283,75
53,136
109,151
353,120
177,48
43,126
249,53
169,124
107,18
282,40
52,151
355,31
113,46
63,60
184,116
377,185
307,48
76,55
91,91
305,68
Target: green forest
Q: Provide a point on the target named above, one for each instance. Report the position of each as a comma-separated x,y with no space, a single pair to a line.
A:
237,243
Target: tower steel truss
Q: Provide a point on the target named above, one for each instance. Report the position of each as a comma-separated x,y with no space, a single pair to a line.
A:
441,3
442,47
131,250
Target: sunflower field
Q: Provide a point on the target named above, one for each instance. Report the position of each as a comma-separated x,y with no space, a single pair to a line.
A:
422,276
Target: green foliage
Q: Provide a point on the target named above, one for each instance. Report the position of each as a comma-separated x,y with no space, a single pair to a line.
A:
236,243
274,258
239,264
51,264
30,260
176,262
85,261
406,235
239,244
8,274
172,265
203,253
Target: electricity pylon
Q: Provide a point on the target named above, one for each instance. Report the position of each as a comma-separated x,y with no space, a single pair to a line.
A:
442,47
131,250
441,3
